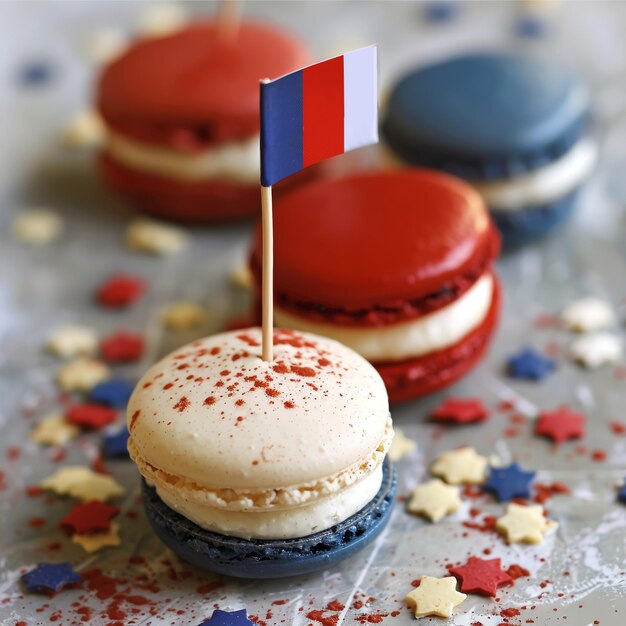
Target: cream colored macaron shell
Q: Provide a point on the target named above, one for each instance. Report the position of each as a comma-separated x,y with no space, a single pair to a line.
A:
261,449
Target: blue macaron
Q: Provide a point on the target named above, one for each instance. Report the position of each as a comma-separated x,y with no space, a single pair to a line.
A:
516,127
232,556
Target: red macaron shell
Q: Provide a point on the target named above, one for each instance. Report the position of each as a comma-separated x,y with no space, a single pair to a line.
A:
196,87
410,379
378,248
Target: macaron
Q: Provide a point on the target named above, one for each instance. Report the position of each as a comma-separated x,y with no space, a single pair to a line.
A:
515,127
182,118
263,469
395,264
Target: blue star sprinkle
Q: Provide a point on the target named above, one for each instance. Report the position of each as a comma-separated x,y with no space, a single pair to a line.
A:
35,73
226,618
509,482
115,445
441,11
621,494
528,364
50,577
115,393
531,27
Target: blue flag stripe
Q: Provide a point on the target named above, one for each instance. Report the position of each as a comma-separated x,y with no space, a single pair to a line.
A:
281,128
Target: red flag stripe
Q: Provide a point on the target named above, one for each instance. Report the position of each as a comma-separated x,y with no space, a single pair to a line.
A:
322,111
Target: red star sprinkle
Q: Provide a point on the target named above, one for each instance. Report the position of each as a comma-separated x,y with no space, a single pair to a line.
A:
481,576
121,347
120,290
461,411
91,415
88,518
560,424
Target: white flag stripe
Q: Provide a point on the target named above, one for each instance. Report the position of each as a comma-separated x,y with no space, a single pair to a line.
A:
360,97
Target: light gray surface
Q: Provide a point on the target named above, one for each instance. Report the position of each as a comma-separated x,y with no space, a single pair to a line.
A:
41,289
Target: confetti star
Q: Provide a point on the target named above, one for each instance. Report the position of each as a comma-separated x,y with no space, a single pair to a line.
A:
69,341
183,315
593,351
54,430
509,482
120,291
50,577
241,276
91,415
524,524
435,596
459,466
461,411
114,393
163,18
434,500
587,314
84,130
121,347
560,424
621,494
228,618
83,484
91,517
36,227
528,364
155,237
82,374
36,73
94,542
116,445
481,576
400,446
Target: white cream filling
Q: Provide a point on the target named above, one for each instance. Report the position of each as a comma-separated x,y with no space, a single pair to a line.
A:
237,161
543,185
276,524
436,331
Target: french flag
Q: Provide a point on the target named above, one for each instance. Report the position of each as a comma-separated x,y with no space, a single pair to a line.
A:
318,112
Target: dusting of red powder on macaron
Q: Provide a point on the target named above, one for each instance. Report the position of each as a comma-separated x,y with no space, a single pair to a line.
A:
182,404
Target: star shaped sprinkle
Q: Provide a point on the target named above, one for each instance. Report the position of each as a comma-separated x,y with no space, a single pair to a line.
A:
104,44
434,500
183,315
114,392
461,411
435,596
50,577
228,618
621,494
120,291
561,424
241,276
91,415
587,314
155,237
83,484
88,518
36,227
400,445
53,430
481,576
84,130
69,341
593,351
97,541
509,482
163,18
528,364
460,466
82,374
524,524
115,445
121,347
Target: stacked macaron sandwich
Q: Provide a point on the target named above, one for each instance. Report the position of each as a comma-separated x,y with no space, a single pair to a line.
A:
182,115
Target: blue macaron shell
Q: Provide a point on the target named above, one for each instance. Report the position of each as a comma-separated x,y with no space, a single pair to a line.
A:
243,558
486,116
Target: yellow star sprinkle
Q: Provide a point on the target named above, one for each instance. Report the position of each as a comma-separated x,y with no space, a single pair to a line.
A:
54,430
155,237
434,500
69,341
241,277
524,524
435,596
400,446
183,315
83,484
82,374
97,541
460,466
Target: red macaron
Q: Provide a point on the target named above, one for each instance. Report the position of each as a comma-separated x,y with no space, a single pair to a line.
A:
182,114
396,264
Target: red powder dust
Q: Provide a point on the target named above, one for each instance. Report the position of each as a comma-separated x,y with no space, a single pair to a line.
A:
182,404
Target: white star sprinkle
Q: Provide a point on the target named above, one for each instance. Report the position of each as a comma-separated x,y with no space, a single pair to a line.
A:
460,466
596,350
587,314
434,500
